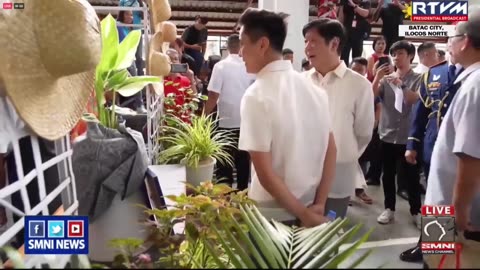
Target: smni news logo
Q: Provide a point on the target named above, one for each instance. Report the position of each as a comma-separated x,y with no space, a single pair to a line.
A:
56,235
437,11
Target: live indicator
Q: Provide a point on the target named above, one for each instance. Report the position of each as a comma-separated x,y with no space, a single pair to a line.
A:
19,6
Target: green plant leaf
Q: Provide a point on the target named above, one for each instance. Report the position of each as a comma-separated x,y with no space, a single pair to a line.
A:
109,44
358,261
341,256
133,85
14,256
117,79
127,50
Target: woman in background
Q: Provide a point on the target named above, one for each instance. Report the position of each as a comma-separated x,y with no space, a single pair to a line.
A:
134,102
379,45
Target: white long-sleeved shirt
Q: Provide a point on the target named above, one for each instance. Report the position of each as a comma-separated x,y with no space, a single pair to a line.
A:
11,126
352,114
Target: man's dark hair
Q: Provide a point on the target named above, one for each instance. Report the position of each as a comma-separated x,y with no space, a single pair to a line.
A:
233,41
258,23
328,29
441,52
287,51
403,45
203,20
425,46
360,60
305,62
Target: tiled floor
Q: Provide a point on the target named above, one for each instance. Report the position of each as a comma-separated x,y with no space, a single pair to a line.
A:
387,241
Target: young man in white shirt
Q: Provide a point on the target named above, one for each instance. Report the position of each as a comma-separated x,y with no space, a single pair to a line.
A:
351,106
227,86
285,126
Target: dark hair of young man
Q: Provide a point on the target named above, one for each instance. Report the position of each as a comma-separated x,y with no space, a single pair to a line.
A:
287,51
305,63
328,29
441,52
233,42
360,60
404,45
258,23
425,46
202,20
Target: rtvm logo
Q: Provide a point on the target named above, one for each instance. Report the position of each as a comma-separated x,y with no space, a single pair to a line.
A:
56,235
439,11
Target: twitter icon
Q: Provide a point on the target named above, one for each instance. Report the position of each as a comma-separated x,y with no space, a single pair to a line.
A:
56,229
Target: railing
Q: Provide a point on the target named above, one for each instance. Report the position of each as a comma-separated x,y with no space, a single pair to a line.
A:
50,189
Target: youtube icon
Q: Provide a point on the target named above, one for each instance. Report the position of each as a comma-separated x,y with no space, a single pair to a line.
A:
75,228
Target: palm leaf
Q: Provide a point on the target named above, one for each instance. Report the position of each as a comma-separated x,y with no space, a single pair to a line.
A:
270,244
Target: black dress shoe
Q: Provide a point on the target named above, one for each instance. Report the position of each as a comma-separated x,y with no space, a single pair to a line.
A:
412,255
403,194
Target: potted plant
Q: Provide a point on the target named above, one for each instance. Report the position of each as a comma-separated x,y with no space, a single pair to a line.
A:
111,161
224,230
195,144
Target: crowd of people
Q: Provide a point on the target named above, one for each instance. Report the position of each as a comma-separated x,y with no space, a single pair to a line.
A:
385,117
310,141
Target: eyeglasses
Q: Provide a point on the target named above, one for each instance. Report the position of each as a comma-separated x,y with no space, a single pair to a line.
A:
454,36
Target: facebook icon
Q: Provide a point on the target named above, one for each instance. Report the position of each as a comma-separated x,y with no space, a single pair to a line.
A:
36,229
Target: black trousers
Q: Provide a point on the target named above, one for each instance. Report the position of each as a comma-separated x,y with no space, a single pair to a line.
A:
241,160
391,155
354,44
47,151
373,158
389,42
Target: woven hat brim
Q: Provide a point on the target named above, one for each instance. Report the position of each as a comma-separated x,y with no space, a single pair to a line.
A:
50,106
56,107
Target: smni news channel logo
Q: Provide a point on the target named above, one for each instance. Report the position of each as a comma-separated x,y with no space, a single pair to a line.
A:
56,235
437,11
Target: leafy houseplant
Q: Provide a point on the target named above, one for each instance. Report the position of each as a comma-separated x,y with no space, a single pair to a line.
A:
112,76
197,145
225,230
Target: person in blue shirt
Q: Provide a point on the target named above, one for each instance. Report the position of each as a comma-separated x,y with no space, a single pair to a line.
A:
137,15
436,94
126,17
134,102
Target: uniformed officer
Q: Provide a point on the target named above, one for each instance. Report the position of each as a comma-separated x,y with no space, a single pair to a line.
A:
436,94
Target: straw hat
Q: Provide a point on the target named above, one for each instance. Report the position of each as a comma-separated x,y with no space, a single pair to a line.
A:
49,51
158,63
160,10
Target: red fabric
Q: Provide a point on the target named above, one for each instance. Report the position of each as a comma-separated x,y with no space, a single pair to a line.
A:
81,127
175,86
326,8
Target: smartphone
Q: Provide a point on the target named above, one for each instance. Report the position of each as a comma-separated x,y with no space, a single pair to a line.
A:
383,60
179,68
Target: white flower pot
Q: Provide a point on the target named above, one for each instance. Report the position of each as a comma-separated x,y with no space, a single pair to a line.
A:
202,173
124,219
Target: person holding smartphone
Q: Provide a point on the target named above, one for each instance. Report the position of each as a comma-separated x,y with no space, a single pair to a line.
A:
394,127
180,77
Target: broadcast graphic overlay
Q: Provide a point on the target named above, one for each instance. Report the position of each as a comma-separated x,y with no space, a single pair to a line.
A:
56,235
425,11
438,229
